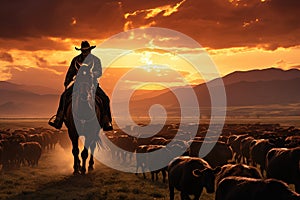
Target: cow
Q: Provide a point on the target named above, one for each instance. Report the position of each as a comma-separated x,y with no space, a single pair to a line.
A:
230,139
147,160
220,154
235,145
292,141
159,141
154,159
258,153
237,170
32,152
284,164
245,149
11,154
190,175
237,188
141,159
125,143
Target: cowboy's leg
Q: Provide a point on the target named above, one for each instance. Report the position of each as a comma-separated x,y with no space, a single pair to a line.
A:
106,102
62,102
61,108
107,119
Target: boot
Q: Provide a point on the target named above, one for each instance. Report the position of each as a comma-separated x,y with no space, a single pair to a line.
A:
58,121
107,125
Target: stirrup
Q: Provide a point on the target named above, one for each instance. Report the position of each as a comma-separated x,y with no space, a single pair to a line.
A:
56,123
50,120
107,127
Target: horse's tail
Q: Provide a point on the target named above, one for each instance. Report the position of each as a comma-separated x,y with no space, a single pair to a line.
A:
99,142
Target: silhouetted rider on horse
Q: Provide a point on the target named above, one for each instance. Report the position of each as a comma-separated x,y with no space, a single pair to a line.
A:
76,63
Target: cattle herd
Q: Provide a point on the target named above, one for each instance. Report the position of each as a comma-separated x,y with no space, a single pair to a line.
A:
24,147
248,161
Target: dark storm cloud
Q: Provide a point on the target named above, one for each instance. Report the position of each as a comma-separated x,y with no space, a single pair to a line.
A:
214,23
30,18
33,44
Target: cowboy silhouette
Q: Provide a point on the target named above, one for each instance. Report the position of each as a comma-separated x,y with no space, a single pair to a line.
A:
78,61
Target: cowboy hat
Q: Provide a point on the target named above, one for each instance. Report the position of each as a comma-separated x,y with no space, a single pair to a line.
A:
85,46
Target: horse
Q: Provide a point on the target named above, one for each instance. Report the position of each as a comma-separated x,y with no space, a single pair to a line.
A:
83,118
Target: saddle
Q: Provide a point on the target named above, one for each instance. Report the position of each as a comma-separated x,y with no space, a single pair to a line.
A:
98,102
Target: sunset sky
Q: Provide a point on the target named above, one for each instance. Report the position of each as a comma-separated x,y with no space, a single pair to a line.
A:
38,37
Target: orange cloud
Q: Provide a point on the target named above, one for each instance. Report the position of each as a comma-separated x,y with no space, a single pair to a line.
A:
242,59
166,10
4,56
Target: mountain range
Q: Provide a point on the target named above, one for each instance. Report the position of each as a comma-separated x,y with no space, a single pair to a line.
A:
254,88
249,92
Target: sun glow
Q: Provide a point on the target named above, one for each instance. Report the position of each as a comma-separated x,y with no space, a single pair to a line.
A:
154,68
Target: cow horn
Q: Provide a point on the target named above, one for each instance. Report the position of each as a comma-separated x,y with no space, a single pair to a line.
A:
197,172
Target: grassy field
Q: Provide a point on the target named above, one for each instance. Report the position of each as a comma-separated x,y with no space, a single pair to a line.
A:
53,179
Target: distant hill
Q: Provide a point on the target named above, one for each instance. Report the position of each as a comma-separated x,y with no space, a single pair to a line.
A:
256,87
4,85
268,74
263,92
19,100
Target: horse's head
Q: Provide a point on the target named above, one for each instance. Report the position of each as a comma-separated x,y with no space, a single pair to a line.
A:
85,80
85,88
85,85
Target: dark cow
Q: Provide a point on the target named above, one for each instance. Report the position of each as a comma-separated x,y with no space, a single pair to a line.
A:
141,159
159,141
127,144
32,152
245,149
11,154
146,160
259,151
284,164
292,141
235,145
237,170
242,188
35,138
220,154
153,160
230,139
190,175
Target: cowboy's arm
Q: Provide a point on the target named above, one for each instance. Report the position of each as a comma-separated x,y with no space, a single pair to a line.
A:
72,71
98,68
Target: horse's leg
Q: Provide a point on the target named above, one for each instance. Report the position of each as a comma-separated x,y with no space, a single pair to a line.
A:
84,156
91,162
75,152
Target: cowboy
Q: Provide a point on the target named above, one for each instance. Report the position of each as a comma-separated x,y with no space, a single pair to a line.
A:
57,120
